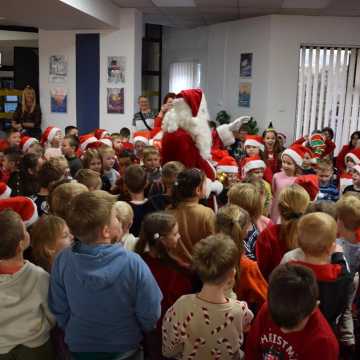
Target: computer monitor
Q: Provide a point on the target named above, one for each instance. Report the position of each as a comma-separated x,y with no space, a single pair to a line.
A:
11,98
10,106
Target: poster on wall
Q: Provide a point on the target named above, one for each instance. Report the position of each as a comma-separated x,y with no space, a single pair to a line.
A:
58,100
115,100
246,65
57,69
244,94
116,68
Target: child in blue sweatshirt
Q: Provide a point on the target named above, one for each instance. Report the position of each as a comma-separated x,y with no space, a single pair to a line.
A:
104,297
328,189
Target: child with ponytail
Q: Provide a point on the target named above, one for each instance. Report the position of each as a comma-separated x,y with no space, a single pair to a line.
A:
250,285
278,239
195,221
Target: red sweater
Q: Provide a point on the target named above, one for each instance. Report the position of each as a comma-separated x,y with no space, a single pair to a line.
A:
269,249
315,342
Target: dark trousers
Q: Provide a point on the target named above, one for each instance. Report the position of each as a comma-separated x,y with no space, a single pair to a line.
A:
21,352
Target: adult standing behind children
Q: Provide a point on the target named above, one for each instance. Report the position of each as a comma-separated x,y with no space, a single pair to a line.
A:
144,118
104,297
27,116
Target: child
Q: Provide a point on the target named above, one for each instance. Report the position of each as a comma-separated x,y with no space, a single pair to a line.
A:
93,161
292,159
247,197
48,174
51,139
325,173
211,325
69,148
49,235
195,220
71,131
272,149
25,318
61,163
108,160
316,239
90,178
103,297
28,144
125,216
352,158
29,168
159,235
13,140
151,159
11,170
355,187
125,139
277,239
290,326
250,285
307,167
135,181
139,145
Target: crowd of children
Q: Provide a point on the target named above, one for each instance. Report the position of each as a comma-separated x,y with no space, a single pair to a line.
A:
107,252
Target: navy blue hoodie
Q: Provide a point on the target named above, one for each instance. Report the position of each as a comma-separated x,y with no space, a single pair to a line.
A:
104,298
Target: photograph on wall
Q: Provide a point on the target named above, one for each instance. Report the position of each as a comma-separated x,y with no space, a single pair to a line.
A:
58,100
246,65
58,68
244,94
116,68
115,101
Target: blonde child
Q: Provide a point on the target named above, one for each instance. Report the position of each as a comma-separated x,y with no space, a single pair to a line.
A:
195,220
90,178
355,187
292,159
61,163
247,197
151,159
277,239
24,314
250,285
51,139
107,154
328,189
212,323
49,235
125,215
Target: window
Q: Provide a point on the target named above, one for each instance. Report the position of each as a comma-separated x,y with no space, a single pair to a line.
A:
328,91
184,75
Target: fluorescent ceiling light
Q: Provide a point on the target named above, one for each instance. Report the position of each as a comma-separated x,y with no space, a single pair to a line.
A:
174,3
305,4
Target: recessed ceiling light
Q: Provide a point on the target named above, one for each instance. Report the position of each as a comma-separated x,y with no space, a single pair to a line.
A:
174,3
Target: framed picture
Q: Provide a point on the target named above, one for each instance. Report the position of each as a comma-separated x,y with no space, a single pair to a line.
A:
116,69
57,68
115,100
245,94
246,65
58,100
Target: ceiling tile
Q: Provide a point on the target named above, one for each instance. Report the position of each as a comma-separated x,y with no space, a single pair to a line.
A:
217,3
348,4
157,19
150,10
305,4
133,3
256,4
218,10
180,11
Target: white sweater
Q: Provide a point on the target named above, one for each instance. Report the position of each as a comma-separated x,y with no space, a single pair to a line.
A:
25,318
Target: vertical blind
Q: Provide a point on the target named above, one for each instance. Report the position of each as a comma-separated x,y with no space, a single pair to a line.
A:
184,75
328,91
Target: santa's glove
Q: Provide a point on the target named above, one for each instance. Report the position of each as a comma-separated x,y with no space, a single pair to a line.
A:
213,187
237,123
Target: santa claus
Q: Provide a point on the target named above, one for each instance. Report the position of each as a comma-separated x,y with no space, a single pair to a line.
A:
186,134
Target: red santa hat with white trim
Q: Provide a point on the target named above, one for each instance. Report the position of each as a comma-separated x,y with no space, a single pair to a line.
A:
49,134
86,140
26,142
101,133
5,191
354,155
296,152
255,140
356,168
252,163
228,165
24,206
142,136
310,183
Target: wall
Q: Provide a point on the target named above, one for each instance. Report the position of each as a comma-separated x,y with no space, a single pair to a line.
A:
125,41
274,41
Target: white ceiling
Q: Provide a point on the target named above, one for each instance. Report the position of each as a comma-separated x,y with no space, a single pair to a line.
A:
59,15
206,12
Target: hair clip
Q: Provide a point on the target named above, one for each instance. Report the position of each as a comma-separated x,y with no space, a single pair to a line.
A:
156,236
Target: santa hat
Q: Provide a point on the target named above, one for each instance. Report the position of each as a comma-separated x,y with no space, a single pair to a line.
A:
217,154
228,165
26,142
252,163
49,134
189,112
310,183
296,152
5,191
24,206
86,140
255,140
142,136
357,169
106,141
354,155
225,131
101,133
